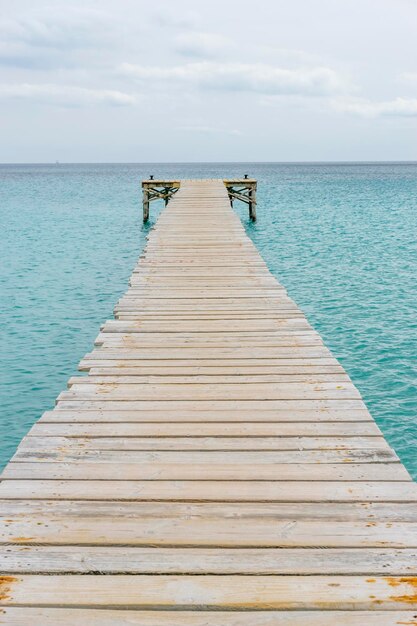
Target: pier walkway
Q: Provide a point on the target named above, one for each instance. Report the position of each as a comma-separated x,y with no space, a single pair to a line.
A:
216,467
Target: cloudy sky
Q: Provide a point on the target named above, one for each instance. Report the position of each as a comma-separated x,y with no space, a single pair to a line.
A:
219,80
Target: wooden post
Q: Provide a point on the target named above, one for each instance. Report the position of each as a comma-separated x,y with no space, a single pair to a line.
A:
244,190
166,199
157,190
252,203
145,205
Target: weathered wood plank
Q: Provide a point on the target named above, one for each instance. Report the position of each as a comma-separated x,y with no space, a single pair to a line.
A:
208,405
212,328
199,592
178,470
183,415
255,391
264,352
18,616
374,514
208,490
347,444
278,366
61,452
211,379
210,429
18,559
273,337
204,340
170,373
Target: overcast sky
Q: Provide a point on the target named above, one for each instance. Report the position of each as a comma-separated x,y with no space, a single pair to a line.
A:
218,80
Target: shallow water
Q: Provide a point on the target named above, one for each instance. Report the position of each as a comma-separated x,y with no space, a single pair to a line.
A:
341,238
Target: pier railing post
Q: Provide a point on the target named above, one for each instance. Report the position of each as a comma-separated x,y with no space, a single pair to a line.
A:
252,203
145,205
167,192
157,190
243,189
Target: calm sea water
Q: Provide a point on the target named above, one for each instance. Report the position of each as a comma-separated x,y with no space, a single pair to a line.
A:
340,237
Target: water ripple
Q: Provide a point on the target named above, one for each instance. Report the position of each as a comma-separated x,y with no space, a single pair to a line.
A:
341,238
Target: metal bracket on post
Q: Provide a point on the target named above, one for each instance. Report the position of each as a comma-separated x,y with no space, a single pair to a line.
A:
243,189
157,190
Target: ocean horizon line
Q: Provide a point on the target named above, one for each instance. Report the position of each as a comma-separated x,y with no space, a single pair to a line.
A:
333,162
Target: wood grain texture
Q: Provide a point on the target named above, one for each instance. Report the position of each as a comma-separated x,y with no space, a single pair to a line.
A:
22,616
238,592
46,559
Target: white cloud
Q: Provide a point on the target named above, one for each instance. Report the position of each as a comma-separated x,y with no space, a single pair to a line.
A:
208,130
399,107
409,77
291,55
178,19
195,44
47,38
259,78
64,95
72,27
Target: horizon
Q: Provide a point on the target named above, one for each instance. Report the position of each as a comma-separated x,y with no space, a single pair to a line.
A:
335,162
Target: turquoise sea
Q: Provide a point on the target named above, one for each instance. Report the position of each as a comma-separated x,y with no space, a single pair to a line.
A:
340,237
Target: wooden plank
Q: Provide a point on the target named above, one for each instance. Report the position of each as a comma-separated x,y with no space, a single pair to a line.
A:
206,293
183,415
207,365
22,616
369,515
287,332
208,326
286,337
178,470
136,340
60,453
347,444
209,490
122,377
18,559
321,405
190,282
279,305
130,315
255,391
129,310
265,352
280,310
206,592
201,429
158,270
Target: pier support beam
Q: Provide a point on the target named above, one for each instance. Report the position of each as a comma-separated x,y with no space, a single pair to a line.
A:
244,190
157,190
145,205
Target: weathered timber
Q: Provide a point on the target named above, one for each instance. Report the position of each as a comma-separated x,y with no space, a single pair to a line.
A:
157,190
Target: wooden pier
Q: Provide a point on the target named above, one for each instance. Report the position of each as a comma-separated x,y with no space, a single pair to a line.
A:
216,467
243,189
